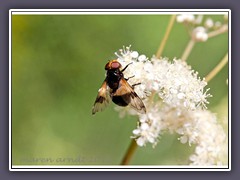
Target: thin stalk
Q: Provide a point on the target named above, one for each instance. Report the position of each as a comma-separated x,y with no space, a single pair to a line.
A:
130,152
188,50
191,43
133,146
214,72
221,30
165,38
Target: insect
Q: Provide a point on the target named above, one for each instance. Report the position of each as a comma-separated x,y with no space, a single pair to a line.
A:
116,88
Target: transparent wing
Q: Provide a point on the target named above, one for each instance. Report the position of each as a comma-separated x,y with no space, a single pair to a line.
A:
127,93
103,98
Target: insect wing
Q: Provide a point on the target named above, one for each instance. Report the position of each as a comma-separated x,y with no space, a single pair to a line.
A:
130,96
103,98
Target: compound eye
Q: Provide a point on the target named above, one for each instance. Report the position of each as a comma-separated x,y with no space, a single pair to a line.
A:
107,66
115,65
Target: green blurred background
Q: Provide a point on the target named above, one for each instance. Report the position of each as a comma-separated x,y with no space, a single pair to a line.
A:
57,68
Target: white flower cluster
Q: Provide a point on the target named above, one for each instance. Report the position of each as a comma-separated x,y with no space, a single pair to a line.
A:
210,138
175,83
199,128
200,34
175,100
185,18
198,30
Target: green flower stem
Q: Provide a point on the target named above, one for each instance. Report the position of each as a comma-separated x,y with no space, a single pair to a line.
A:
163,43
188,50
191,43
128,156
218,68
133,146
219,31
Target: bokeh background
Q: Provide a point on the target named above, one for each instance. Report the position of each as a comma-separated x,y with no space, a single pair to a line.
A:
57,68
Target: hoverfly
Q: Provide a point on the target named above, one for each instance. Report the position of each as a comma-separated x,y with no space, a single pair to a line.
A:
116,88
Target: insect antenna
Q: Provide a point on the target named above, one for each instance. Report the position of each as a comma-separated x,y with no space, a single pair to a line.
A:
126,67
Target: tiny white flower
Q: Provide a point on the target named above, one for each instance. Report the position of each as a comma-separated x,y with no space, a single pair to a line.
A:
181,95
209,23
144,126
136,131
180,18
199,34
185,18
142,58
190,18
140,141
183,139
134,54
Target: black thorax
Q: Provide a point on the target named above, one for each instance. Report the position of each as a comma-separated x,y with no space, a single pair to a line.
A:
113,78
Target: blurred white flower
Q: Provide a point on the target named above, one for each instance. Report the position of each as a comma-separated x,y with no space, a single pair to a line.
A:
209,23
185,18
175,100
210,139
199,34
199,29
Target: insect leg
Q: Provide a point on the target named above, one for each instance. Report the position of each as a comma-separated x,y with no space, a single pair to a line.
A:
129,78
135,84
126,67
